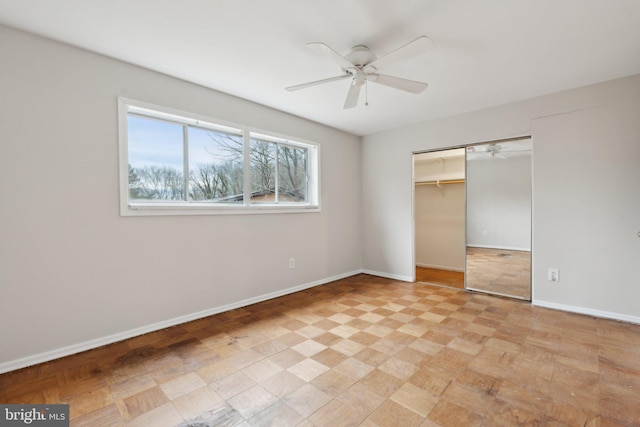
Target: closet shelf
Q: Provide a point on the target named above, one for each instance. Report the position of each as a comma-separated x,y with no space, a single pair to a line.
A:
439,182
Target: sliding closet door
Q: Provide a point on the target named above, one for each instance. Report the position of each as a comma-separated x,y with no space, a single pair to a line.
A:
498,258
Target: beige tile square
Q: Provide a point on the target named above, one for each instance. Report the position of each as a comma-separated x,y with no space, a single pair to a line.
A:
278,414
415,399
353,368
307,399
310,331
262,370
142,402
348,347
381,383
465,346
333,383
446,413
287,358
307,369
413,330
131,386
329,357
371,357
503,345
334,414
426,346
182,385
344,331
386,346
361,399
162,416
398,368
432,317
233,384
309,347
341,318
197,402
379,331
252,401
371,317
108,415
282,383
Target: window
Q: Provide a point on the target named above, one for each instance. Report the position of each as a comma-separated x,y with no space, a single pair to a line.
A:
171,163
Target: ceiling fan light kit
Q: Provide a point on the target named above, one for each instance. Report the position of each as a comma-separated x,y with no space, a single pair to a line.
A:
361,66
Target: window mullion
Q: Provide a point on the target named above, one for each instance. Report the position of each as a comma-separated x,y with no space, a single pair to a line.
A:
277,181
185,155
247,167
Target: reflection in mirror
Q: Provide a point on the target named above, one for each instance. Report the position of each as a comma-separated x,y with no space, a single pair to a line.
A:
498,258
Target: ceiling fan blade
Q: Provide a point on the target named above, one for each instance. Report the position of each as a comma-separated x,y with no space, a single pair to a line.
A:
331,54
317,82
352,96
398,83
420,45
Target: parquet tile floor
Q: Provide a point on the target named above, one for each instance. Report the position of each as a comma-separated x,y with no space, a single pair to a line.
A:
359,351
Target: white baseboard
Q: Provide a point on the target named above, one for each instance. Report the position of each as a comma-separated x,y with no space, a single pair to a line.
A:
13,365
440,267
389,276
588,311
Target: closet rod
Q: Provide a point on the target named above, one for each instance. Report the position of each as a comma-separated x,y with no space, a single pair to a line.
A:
443,181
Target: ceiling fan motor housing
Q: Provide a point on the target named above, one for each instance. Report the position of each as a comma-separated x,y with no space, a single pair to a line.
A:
360,56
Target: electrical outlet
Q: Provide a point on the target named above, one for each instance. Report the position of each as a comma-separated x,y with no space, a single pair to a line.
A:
292,263
553,274
484,233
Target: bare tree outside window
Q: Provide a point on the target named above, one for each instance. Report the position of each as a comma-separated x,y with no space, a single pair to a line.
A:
157,183
292,171
216,166
263,171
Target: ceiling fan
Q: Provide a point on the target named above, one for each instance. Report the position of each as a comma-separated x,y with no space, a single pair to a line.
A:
495,150
361,66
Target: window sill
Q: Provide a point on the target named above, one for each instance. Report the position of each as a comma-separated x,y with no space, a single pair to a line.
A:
151,209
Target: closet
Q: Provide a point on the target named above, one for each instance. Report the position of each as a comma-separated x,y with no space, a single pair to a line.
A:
472,217
439,212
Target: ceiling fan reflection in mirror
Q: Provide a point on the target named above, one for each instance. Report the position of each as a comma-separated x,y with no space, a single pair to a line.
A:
361,66
499,151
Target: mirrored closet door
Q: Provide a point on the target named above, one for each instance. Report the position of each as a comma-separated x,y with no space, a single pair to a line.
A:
498,218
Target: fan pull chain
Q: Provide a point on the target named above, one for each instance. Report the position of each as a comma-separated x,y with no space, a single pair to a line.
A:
366,92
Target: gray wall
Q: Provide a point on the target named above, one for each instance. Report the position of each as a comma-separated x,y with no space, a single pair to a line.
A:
585,198
74,273
439,219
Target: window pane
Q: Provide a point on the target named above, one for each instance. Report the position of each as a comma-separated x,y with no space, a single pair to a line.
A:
263,171
292,174
215,166
155,160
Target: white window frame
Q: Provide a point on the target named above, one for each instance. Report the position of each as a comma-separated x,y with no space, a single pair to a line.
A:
172,207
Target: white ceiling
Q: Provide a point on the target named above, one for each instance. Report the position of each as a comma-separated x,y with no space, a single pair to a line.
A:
486,53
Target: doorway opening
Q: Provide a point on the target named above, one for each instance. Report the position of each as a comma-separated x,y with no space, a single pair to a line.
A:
439,215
